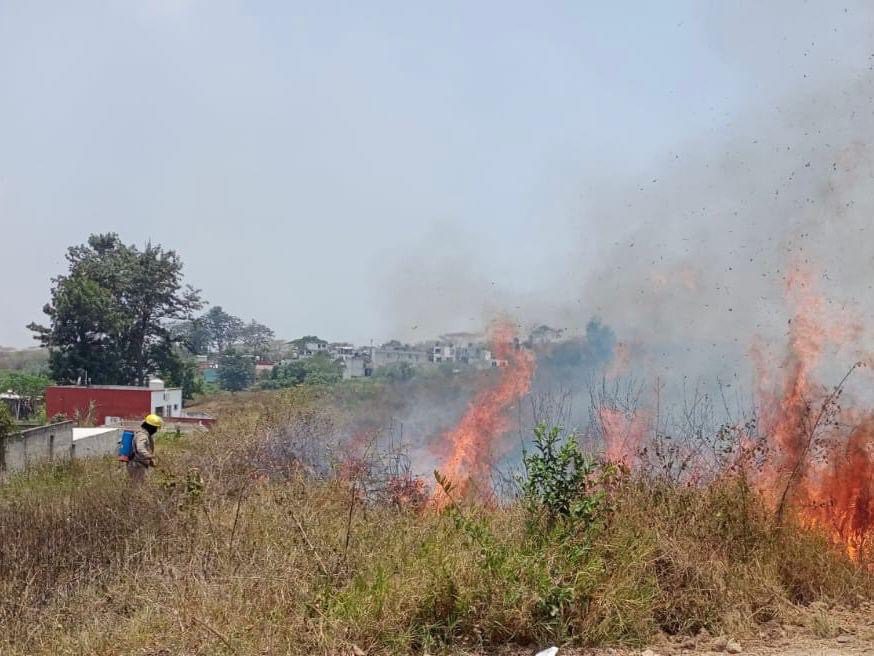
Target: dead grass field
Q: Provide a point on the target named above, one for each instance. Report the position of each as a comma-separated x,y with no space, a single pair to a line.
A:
236,545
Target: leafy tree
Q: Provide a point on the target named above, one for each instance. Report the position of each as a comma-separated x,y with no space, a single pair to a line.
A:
223,329
109,314
7,424
82,340
183,373
320,369
566,362
218,330
256,337
560,480
396,371
236,370
193,334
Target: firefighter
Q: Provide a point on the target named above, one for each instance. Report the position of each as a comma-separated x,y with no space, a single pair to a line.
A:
144,448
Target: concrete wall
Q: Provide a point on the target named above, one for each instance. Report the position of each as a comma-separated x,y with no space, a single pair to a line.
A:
354,368
168,400
89,442
62,441
384,357
55,442
34,445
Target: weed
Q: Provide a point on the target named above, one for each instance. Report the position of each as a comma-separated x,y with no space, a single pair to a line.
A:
560,481
822,625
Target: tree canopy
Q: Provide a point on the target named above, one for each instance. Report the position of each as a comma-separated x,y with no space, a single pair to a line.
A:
109,314
217,330
236,370
256,337
320,369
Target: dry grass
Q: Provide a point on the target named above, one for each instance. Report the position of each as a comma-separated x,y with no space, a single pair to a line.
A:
231,549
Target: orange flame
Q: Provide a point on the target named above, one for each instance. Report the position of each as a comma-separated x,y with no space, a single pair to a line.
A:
842,501
832,479
474,444
624,432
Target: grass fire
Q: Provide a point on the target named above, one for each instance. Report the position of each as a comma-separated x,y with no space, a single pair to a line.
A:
437,329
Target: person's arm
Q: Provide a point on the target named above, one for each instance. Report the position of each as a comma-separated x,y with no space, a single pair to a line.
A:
144,454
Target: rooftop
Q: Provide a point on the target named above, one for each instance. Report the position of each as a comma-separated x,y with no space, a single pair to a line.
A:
79,433
136,388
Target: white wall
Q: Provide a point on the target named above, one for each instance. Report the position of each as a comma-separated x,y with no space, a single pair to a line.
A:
95,442
36,445
168,399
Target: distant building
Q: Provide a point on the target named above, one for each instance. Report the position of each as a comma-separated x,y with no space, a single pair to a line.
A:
312,348
467,348
343,351
355,367
100,403
264,368
382,357
13,402
443,353
542,335
210,375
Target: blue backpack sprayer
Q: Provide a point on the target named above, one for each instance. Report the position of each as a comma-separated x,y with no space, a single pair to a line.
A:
126,447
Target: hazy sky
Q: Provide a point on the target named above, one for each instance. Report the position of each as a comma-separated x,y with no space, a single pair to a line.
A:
369,170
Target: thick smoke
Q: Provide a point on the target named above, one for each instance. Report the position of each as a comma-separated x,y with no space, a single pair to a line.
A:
714,237
678,285
708,237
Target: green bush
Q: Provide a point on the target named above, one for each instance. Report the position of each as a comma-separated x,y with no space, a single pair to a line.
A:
561,482
319,369
7,423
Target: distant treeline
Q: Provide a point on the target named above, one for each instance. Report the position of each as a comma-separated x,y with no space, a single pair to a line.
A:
32,360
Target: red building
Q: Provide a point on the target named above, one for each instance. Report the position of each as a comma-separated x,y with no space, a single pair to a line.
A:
115,401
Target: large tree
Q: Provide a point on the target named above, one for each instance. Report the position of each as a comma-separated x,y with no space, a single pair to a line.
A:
109,314
193,334
256,337
236,370
320,369
224,329
217,331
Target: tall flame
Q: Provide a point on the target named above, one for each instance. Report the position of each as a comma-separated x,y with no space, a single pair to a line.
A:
474,445
826,477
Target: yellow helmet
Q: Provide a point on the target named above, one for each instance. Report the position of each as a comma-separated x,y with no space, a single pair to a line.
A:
154,421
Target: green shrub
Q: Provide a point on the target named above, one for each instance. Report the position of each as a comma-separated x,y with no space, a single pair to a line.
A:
7,423
561,482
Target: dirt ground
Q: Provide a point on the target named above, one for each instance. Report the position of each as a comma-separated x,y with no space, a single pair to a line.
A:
814,632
